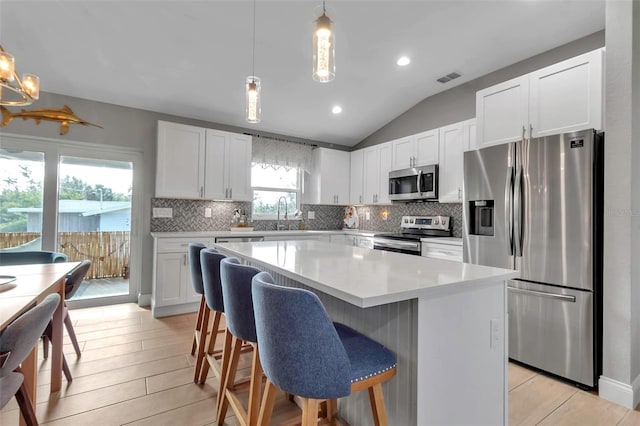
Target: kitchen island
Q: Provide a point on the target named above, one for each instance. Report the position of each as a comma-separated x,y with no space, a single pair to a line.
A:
444,320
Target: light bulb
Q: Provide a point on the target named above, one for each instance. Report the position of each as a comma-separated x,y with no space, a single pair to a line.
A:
31,85
253,99
7,66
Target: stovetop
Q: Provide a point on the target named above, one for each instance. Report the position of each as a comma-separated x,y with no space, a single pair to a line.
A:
417,227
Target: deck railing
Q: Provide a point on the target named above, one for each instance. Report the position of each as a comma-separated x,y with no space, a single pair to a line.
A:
108,251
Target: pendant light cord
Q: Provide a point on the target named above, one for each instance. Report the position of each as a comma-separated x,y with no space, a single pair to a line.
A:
253,53
324,10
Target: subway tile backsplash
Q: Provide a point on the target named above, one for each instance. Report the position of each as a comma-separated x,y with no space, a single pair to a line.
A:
188,216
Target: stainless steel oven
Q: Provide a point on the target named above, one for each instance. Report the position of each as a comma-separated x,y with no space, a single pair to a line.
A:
416,183
414,228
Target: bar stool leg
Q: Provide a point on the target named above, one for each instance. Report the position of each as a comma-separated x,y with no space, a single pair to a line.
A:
378,408
209,357
310,411
198,324
229,379
254,390
201,343
266,407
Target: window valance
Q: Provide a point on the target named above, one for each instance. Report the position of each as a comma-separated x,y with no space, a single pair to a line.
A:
277,153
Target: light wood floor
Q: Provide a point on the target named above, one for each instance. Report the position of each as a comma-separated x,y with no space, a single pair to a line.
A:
137,370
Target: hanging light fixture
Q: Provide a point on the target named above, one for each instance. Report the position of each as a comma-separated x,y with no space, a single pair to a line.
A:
324,64
18,91
252,87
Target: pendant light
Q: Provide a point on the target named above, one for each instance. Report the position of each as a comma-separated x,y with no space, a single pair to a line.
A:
252,86
324,65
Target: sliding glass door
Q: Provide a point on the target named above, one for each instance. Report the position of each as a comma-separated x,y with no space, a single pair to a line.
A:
79,199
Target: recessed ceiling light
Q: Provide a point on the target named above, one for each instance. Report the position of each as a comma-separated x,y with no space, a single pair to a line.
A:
403,61
336,109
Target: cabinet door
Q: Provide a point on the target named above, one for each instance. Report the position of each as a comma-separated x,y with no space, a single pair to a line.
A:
180,161
427,148
329,179
170,279
384,167
215,185
239,167
403,153
338,170
567,96
356,182
190,295
502,112
371,174
451,169
469,135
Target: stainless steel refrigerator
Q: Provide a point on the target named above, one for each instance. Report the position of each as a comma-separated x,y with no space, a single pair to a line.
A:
536,206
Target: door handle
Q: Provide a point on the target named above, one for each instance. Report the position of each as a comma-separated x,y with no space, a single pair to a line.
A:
419,182
508,210
518,202
561,297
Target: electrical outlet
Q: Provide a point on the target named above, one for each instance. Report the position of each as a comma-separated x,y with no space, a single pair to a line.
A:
311,215
163,212
207,212
367,215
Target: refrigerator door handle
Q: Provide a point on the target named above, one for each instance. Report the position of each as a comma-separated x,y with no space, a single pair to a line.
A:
508,209
518,209
561,297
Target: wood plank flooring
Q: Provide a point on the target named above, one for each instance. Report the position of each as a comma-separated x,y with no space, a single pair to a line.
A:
137,370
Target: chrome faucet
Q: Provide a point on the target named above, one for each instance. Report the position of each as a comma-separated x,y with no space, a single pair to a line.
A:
286,216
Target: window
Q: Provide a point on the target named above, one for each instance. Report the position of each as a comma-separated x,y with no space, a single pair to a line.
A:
269,184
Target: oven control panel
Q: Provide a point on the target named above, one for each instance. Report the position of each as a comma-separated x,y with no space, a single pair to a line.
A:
426,222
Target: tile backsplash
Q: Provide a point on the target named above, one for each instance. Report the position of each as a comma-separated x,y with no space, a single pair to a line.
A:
188,216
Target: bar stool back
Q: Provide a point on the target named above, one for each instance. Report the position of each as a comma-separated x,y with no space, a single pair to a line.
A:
210,262
200,332
305,354
238,307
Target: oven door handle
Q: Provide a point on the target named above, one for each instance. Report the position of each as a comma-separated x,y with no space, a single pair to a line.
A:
400,245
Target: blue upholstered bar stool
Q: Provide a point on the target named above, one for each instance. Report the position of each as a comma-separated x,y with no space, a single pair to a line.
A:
238,308
202,322
305,354
210,261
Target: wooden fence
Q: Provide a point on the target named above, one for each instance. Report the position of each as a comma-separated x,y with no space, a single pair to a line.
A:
107,251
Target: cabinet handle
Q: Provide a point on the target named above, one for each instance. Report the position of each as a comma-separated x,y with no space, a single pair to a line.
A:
530,131
360,199
230,192
184,259
459,193
202,191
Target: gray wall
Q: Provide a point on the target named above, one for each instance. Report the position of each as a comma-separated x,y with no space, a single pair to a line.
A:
459,103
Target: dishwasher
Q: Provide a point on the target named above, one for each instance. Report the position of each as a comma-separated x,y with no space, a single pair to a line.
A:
238,239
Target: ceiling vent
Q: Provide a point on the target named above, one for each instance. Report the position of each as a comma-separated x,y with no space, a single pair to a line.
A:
448,77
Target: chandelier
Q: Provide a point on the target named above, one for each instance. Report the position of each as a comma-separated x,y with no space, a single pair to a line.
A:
13,89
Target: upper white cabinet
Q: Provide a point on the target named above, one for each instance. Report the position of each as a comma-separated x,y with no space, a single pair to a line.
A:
329,179
196,163
469,133
377,165
228,166
450,171
560,98
180,161
416,150
357,182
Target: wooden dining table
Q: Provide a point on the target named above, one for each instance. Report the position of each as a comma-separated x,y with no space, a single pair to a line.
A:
32,284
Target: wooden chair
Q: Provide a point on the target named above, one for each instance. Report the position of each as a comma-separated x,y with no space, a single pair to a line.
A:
238,308
16,342
200,332
305,354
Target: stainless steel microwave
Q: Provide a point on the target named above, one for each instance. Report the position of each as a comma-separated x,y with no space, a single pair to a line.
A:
416,183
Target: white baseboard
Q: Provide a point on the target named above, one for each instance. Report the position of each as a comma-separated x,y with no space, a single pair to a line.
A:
620,393
144,300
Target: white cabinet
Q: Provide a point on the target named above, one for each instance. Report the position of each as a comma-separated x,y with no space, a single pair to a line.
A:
377,165
228,166
197,163
172,288
357,183
416,150
442,248
469,135
180,161
450,172
329,179
560,98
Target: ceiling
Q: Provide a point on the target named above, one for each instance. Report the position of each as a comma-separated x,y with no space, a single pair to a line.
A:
191,58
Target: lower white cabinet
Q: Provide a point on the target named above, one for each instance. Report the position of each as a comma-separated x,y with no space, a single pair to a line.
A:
172,288
443,249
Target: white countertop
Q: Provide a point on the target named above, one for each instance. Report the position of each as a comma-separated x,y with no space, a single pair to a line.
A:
209,234
361,276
